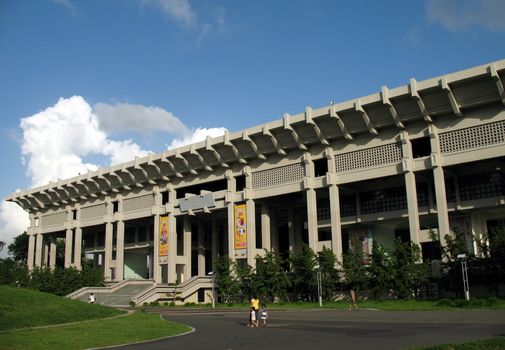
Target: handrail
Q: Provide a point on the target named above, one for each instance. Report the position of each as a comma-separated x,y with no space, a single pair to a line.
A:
76,294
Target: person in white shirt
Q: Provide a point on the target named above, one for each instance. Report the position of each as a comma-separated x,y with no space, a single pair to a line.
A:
91,298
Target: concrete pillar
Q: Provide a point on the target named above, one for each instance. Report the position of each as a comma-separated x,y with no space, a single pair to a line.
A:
69,235
45,252
214,242
291,229
410,188
201,249
78,248
274,231
38,250
31,251
230,199
156,250
52,253
107,264
251,218
172,248
439,182
336,229
120,250
187,246
311,201
265,227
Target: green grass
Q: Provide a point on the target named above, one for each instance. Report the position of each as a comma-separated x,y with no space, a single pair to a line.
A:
21,308
128,329
488,344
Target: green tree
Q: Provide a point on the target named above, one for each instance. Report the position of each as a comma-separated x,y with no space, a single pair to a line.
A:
2,245
18,249
245,280
380,271
227,287
272,280
329,274
409,274
354,268
303,274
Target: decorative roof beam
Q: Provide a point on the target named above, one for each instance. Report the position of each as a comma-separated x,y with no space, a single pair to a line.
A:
450,95
340,122
498,81
254,146
140,167
267,132
198,156
165,160
121,180
317,130
66,191
179,156
287,126
415,95
216,154
392,109
38,202
84,183
234,149
151,163
358,108
94,182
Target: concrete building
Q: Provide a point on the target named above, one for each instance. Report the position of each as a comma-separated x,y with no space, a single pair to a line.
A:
429,155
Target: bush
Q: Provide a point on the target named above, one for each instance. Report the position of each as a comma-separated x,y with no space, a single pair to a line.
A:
132,303
171,303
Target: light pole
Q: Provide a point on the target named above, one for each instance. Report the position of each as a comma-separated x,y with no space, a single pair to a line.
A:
464,270
319,285
213,275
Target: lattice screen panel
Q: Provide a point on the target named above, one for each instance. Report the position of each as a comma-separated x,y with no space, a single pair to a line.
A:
92,212
368,158
138,203
53,219
278,176
473,137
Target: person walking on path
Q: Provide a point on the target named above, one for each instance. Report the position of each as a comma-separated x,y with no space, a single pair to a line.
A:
264,315
352,299
91,298
255,304
254,318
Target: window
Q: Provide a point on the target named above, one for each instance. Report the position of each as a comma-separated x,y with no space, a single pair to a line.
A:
240,182
320,167
164,197
421,147
115,207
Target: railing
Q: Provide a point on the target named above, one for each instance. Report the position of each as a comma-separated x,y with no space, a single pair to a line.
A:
182,290
86,290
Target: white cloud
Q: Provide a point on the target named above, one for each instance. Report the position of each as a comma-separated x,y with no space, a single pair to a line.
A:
125,117
178,10
122,151
458,15
13,221
199,134
67,4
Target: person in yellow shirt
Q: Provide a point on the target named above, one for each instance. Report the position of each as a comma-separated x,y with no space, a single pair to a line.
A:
255,304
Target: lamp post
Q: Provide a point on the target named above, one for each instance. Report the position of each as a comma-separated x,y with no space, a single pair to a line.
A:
319,285
464,271
213,275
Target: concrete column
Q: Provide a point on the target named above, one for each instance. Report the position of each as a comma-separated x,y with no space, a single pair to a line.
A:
336,229
156,250
68,247
201,249
38,250
215,243
31,251
45,252
311,201
291,229
187,246
274,232
410,187
78,248
52,254
265,227
172,248
439,182
107,264
230,198
120,251
251,232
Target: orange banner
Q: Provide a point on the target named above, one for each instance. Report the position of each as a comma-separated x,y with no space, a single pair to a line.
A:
163,236
240,226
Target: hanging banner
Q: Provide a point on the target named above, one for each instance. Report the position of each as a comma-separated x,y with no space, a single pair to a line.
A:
163,236
240,226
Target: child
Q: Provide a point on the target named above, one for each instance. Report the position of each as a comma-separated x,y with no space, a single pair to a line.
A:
264,315
254,319
352,300
91,298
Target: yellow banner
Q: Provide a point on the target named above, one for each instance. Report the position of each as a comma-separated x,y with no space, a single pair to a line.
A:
163,236
240,226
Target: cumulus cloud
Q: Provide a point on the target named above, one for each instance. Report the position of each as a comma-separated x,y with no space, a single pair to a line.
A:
458,15
13,221
199,134
125,117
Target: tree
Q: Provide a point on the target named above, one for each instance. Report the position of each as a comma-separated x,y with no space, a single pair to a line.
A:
355,271
271,278
245,279
19,248
303,275
380,271
329,274
2,245
227,286
409,274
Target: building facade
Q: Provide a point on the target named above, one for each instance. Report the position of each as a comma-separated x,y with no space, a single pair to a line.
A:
425,157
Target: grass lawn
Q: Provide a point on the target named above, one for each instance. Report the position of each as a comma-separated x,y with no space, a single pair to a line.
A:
128,329
21,308
488,344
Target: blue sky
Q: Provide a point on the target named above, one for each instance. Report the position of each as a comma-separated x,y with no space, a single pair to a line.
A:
146,72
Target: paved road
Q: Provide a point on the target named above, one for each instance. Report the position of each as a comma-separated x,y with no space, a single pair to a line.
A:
329,329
